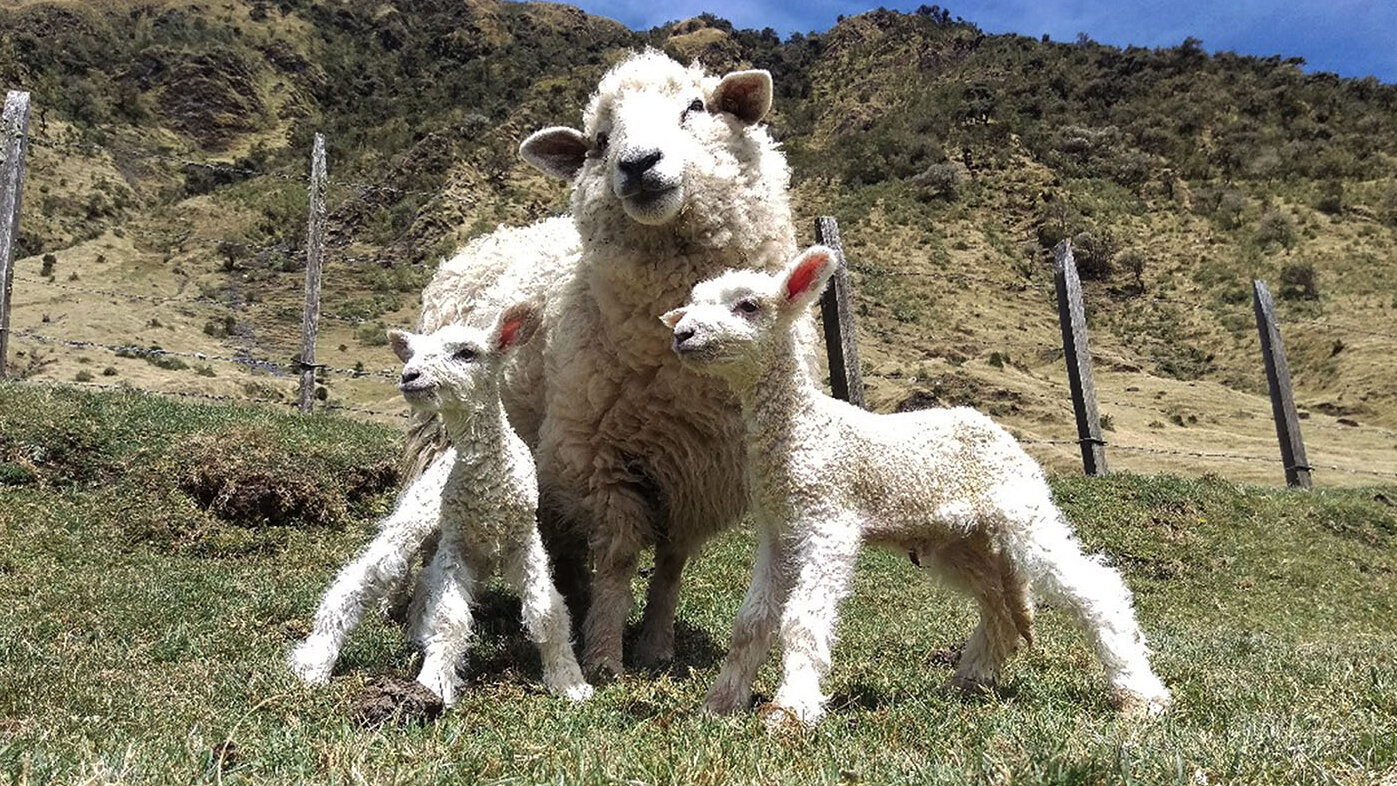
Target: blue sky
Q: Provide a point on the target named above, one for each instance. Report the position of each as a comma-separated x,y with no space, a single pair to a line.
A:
1349,37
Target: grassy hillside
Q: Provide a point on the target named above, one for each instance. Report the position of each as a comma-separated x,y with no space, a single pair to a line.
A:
159,558
953,160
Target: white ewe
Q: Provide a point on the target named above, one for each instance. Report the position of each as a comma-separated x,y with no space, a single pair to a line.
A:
674,181
486,499
950,487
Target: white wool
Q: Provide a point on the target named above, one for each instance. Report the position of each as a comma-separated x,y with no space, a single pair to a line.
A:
948,486
637,449
481,495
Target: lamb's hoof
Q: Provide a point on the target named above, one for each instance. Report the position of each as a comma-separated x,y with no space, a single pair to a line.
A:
443,683
580,691
780,719
312,663
1142,705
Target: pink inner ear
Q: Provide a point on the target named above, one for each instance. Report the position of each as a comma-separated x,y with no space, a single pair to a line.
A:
803,276
508,331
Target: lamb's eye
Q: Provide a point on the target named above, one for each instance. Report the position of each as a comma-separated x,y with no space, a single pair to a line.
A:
747,306
465,355
601,141
694,106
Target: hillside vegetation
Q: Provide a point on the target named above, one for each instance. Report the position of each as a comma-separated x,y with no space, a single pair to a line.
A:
952,159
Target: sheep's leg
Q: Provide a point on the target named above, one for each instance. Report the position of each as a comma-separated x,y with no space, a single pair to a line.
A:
546,619
1097,598
374,572
655,647
824,565
615,545
754,627
1000,595
444,628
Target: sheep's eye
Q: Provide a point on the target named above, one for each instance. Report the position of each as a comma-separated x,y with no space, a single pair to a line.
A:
747,306
465,355
694,106
601,141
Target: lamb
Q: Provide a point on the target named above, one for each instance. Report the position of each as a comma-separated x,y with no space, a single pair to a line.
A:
673,180
949,487
486,493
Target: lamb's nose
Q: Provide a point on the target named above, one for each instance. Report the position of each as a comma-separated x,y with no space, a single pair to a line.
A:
637,163
409,377
682,335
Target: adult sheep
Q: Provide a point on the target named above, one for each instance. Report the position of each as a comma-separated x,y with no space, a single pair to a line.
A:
673,181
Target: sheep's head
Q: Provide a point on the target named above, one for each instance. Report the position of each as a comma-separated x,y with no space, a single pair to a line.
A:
731,322
458,367
653,131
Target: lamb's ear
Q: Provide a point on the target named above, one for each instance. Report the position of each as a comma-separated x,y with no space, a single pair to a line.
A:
516,326
807,276
401,342
558,151
671,318
746,94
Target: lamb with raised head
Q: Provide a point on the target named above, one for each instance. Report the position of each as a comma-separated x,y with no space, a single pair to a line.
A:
673,181
486,497
949,486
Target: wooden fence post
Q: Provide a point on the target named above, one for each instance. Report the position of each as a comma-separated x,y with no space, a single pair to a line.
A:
315,252
1073,319
845,378
15,143
1297,467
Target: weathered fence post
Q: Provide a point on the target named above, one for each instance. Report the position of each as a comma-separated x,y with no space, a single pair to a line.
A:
315,252
1297,467
845,378
1073,319
16,141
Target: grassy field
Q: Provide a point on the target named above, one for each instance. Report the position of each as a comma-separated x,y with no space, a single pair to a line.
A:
157,560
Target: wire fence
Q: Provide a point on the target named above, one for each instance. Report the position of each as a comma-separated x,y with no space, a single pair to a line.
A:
277,255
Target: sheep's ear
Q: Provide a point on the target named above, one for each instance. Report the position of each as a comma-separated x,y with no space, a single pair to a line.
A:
671,318
401,342
517,325
559,151
746,94
807,276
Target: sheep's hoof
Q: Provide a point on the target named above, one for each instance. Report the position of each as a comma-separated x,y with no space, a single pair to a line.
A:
779,719
311,663
971,686
724,703
580,691
604,671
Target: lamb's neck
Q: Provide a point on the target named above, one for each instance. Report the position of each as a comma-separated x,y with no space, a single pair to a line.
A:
781,405
482,430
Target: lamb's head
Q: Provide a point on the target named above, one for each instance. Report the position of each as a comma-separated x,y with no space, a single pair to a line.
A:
458,367
656,134
733,322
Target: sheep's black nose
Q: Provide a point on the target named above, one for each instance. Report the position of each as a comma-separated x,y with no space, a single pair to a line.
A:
635,164
409,376
682,335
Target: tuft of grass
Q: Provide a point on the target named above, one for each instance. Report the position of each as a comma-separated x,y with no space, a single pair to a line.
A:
128,659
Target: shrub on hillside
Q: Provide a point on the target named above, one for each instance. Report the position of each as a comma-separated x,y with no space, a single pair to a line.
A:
1298,282
1275,228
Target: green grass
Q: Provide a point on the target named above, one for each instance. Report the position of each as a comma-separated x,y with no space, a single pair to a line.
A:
133,651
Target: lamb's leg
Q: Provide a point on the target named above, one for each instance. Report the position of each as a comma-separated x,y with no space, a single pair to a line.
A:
999,592
374,572
824,565
546,619
1097,598
754,627
615,545
655,647
444,627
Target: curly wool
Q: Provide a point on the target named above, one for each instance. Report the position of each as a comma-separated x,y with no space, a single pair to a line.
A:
637,448
951,487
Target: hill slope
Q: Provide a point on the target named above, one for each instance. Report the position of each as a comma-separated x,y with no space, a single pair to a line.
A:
953,160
